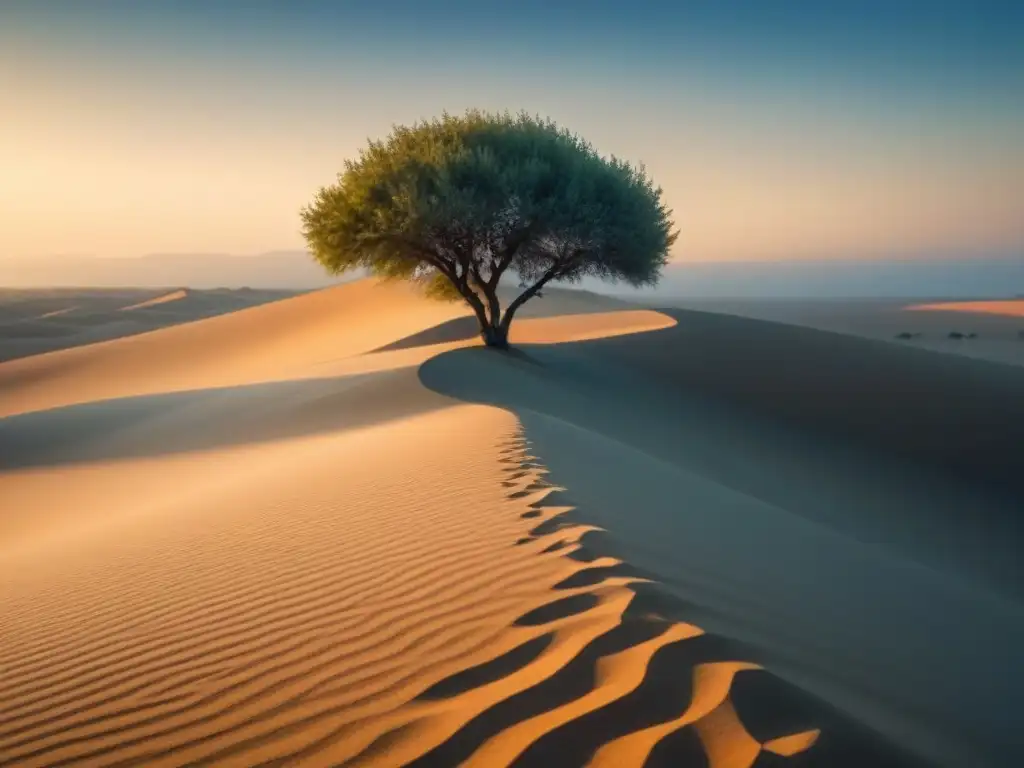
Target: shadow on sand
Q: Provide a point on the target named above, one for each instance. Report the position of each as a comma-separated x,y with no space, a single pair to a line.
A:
206,419
891,457
456,329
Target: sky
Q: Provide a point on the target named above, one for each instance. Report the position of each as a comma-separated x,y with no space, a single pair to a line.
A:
778,130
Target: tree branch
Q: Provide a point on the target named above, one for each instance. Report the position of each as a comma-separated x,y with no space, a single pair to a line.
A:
443,265
559,268
526,295
512,246
449,269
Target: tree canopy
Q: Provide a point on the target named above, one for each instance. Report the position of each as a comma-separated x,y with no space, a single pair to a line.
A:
459,201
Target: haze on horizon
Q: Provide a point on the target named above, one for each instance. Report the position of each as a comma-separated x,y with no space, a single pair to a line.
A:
863,130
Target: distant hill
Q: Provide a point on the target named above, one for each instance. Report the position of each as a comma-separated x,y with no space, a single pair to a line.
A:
277,269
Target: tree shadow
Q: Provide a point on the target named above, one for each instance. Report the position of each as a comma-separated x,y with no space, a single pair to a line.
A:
454,330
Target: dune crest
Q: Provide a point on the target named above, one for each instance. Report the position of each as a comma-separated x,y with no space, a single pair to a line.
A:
57,312
166,298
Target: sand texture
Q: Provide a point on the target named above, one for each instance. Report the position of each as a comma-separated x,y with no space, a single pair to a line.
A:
332,529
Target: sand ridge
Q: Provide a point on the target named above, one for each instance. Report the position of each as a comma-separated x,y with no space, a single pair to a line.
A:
284,536
57,312
177,295
1007,308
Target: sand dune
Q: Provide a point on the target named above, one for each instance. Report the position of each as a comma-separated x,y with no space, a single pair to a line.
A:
303,533
1010,308
987,330
35,321
802,493
163,299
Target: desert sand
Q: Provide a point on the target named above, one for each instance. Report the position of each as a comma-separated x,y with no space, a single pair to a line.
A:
332,529
33,321
997,326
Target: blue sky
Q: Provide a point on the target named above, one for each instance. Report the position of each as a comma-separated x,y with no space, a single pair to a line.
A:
777,129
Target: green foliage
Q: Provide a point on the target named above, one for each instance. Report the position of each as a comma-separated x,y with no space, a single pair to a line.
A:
465,198
437,286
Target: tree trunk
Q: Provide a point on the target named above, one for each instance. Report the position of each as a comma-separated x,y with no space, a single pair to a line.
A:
525,296
494,336
493,331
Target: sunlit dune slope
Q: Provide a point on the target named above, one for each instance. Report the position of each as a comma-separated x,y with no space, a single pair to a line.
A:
1009,308
269,342
301,336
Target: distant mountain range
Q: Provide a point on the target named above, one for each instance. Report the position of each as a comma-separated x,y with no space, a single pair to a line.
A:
953,278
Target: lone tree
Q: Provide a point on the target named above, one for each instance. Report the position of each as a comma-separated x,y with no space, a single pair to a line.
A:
459,201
